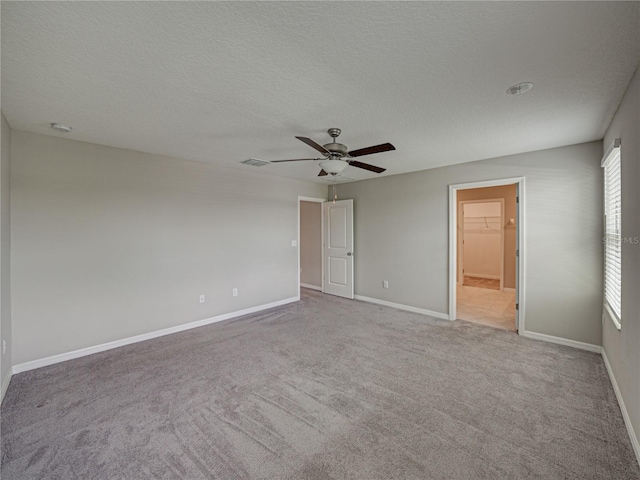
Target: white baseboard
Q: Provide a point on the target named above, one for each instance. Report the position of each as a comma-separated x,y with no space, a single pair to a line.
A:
63,357
312,287
627,421
562,341
399,306
482,275
5,385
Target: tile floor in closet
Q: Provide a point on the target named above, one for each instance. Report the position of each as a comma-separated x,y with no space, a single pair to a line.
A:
486,306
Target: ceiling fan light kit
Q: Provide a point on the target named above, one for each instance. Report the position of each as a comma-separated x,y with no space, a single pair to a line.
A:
333,167
336,157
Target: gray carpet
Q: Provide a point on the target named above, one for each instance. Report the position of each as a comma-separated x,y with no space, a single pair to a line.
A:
323,389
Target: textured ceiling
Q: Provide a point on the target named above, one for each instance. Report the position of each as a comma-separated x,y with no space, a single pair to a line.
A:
221,82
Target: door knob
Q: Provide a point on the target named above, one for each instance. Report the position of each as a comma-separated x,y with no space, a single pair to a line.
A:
349,254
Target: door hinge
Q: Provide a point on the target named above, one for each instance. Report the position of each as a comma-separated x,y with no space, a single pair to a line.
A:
517,199
517,306
517,253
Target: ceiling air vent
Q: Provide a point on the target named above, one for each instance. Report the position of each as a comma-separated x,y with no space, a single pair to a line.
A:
255,162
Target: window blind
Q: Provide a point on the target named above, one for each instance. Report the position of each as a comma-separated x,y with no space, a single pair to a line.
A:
613,231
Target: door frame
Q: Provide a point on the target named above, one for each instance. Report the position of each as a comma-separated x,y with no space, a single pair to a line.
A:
520,247
461,266
320,201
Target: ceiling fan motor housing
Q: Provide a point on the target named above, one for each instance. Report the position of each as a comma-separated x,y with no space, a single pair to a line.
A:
337,149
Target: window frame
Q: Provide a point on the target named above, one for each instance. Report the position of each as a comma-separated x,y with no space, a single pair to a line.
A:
612,239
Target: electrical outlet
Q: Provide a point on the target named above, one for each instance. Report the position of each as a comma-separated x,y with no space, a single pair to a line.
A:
294,243
4,347
385,284
235,292
201,298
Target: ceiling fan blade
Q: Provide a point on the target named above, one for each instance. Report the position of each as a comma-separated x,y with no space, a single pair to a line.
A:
383,147
313,144
295,160
366,166
322,173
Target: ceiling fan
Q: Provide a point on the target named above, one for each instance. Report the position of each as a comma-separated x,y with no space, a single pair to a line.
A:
336,157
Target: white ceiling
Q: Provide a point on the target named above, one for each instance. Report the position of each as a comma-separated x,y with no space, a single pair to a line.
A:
221,82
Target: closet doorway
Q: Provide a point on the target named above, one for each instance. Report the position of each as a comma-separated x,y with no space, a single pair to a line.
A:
485,245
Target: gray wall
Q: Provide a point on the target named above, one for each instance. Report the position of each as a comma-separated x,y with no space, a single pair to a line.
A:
5,253
623,347
401,235
508,193
111,243
311,243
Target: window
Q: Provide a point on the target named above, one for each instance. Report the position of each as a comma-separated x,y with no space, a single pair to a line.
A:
613,233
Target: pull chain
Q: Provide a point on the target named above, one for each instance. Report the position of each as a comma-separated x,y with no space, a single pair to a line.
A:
335,193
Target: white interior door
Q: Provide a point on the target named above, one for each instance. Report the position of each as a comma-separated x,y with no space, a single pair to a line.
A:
517,257
338,248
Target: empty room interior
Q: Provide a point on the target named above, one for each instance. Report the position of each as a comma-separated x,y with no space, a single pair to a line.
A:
320,240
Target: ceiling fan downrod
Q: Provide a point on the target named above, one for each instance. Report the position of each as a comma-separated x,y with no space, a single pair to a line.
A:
336,150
